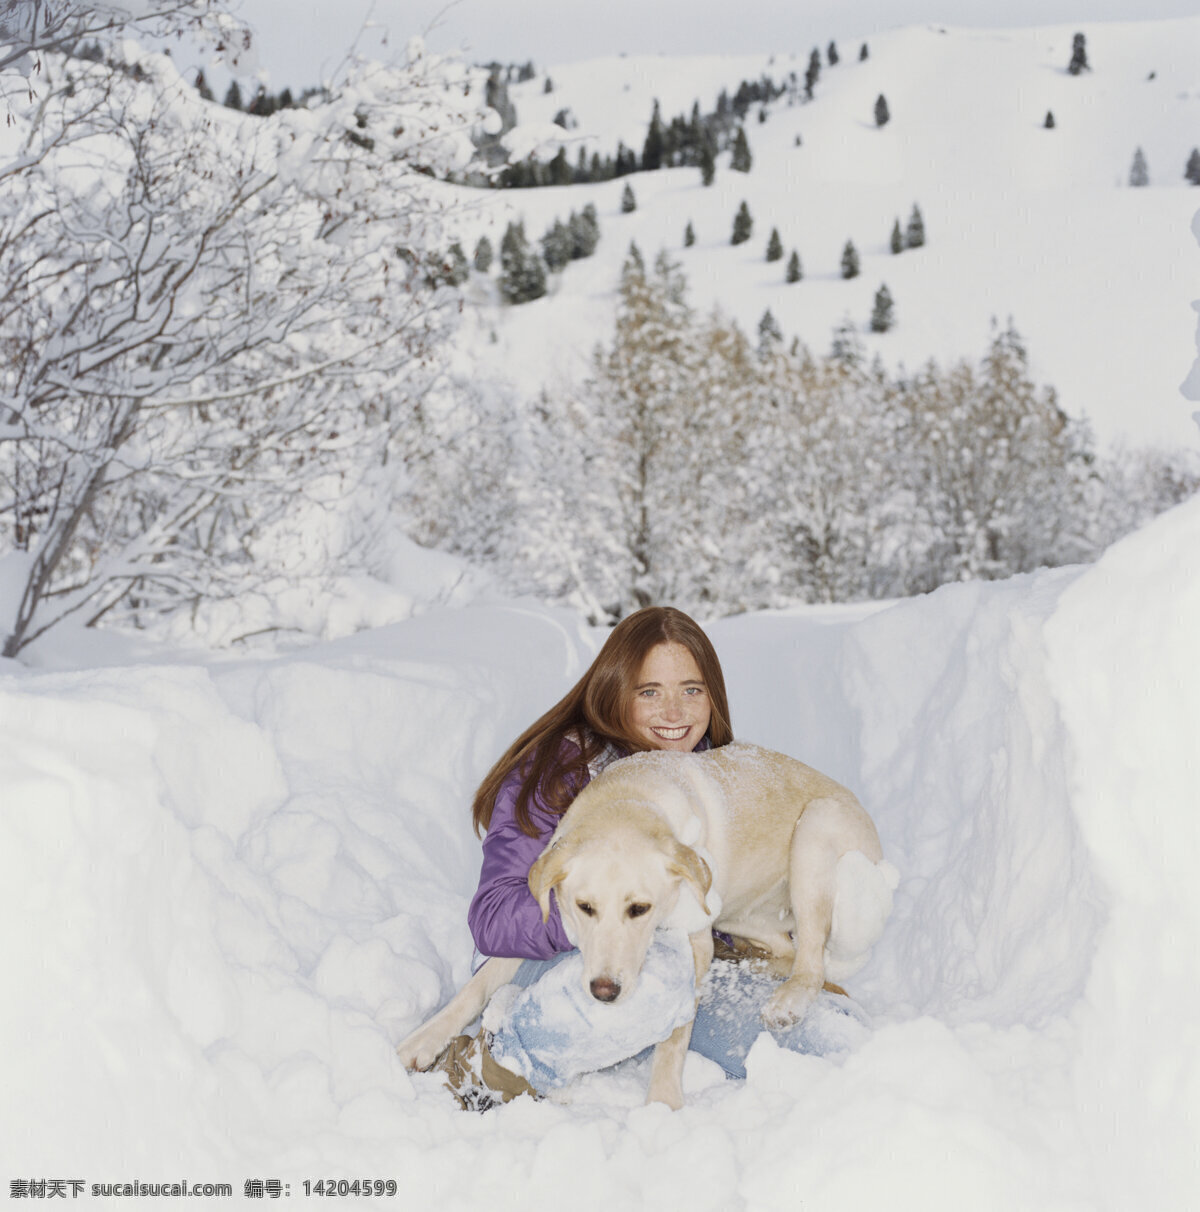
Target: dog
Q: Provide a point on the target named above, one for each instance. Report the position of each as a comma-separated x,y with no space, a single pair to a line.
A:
740,839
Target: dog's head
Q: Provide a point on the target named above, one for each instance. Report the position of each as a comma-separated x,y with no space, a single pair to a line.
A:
613,891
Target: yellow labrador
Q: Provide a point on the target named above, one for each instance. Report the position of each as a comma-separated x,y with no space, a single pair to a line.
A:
740,839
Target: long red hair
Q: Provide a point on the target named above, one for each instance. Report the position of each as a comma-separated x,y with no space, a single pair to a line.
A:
596,712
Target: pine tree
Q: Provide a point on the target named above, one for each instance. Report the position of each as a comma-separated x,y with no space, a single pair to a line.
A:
455,269
202,87
708,163
743,225
522,271
585,232
863,53
1139,173
628,201
560,170
689,235
1079,60
1049,122
897,242
483,255
774,246
882,114
1192,172
793,267
849,260
914,235
557,244
740,160
883,315
812,73
652,149
832,55
634,264
770,335
233,96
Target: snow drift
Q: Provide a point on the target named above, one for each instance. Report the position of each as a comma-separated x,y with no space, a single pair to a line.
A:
228,888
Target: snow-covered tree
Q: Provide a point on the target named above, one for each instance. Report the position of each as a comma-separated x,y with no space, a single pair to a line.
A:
689,235
1191,172
794,272
774,246
1004,470
522,271
770,335
484,255
584,230
557,246
628,200
222,317
882,113
1139,173
896,242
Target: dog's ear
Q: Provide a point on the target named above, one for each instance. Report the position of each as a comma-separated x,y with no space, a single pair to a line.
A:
688,865
548,871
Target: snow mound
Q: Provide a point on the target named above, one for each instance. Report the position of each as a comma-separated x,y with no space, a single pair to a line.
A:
230,888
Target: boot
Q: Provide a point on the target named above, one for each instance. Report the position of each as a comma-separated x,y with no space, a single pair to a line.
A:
475,1078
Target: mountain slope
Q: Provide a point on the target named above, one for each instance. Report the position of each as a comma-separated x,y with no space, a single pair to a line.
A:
1021,221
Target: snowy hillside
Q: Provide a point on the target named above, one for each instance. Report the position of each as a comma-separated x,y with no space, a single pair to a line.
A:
231,882
1023,222
229,888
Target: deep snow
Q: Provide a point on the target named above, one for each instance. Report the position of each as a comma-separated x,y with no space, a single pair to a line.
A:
231,886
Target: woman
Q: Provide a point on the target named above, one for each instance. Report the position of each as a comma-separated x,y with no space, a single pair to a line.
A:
655,684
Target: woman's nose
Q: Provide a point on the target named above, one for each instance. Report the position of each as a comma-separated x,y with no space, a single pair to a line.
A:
672,709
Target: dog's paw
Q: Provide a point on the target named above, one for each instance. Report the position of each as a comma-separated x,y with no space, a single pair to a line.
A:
418,1054
789,1003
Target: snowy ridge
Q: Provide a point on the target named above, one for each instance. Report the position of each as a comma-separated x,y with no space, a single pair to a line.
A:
1023,222
229,889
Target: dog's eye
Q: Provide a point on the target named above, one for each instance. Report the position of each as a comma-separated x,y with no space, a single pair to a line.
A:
585,908
638,910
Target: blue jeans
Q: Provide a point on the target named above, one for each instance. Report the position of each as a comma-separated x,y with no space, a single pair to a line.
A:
550,1030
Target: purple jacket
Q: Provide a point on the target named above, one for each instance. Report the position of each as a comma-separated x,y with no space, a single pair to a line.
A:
504,918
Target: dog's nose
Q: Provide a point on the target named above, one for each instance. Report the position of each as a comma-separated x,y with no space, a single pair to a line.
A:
605,989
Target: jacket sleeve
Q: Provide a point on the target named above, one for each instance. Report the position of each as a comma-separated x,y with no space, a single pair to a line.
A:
504,917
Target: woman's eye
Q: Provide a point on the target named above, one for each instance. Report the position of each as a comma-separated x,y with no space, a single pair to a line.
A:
585,908
638,910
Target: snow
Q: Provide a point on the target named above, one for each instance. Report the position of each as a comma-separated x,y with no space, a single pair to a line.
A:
1023,222
231,884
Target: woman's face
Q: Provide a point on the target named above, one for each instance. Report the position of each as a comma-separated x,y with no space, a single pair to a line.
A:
671,707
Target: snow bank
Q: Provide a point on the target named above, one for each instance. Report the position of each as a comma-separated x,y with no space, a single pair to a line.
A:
229,888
